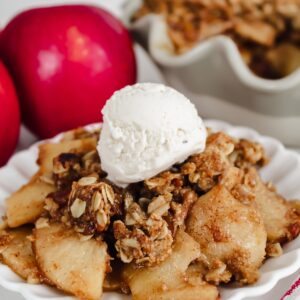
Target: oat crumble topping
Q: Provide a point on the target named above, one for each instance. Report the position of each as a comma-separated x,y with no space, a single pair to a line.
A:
142,220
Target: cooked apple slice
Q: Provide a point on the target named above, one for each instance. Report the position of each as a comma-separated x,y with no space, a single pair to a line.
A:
281,221
71,264
16,252
169,280
186,291
26,204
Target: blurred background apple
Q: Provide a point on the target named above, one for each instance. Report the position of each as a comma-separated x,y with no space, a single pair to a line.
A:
66,61
9,116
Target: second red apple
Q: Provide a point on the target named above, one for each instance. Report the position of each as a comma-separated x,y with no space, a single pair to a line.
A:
66,62
9,116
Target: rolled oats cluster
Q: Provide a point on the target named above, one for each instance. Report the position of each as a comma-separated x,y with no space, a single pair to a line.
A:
247,153
206,169
144,238
150,224
91,204
172,197
265,31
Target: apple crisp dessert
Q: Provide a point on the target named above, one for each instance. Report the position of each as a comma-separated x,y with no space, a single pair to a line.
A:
265,31
207,221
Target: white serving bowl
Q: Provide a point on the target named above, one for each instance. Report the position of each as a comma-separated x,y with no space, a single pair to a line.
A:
283,171
215,67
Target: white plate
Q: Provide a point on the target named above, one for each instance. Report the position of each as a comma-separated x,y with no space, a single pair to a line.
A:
283,170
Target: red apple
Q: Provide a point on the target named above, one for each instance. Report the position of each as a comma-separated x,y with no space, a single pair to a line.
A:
9,116
66,62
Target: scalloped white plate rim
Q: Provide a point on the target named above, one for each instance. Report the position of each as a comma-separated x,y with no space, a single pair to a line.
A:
22,165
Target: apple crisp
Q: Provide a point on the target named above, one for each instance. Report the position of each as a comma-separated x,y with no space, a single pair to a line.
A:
206,221
266,32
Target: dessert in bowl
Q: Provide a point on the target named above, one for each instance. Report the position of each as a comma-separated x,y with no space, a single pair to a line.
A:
265,32
217,55
180,220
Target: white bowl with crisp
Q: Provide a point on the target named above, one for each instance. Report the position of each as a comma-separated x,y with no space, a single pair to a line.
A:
283,170
215,68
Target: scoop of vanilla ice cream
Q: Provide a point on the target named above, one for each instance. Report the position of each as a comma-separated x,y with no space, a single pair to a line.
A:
146,129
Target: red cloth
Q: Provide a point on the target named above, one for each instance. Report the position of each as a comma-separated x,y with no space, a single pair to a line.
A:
293,293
